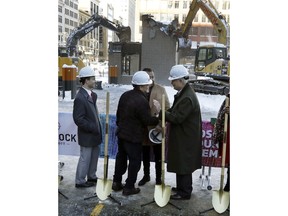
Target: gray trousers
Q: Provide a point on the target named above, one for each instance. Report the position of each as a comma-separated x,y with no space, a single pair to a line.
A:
87,164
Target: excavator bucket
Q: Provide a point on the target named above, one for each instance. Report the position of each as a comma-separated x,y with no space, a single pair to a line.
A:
124,34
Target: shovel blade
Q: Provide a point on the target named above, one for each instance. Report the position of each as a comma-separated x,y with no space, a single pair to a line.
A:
162,195
220,201
103,188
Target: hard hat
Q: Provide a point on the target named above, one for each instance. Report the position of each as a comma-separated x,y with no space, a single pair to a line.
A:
141,78
155,136
178,72
86,72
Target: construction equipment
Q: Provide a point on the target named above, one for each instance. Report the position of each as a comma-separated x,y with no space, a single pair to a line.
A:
212,60
68,55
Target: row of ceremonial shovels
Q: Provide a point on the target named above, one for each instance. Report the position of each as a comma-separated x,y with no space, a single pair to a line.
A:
220,199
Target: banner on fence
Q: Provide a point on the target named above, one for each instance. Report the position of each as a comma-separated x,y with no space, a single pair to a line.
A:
68,140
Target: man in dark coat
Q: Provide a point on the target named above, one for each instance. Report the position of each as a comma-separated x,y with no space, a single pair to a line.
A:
185,134
86,117
132,118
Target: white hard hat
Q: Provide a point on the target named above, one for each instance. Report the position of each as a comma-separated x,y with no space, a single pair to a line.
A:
155,136
141,78
86,72
178,72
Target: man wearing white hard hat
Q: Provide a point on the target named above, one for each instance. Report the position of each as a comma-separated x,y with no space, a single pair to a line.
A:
86,117
184,141
155,93
132,118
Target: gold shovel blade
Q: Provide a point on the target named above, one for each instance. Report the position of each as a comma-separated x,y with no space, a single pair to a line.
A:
103,188
220,201
162,194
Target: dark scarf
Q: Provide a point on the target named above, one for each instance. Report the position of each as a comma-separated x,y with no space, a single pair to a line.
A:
218,132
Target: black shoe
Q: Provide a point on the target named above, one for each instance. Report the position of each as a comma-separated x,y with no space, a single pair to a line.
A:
174,189
130,191
178,197
144,180
227,188
92,180
117,186
86,184
158,181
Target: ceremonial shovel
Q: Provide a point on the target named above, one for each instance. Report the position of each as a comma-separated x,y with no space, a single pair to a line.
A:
104,186
162,192
221,198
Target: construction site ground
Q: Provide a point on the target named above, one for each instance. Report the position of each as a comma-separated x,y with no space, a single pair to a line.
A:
74,201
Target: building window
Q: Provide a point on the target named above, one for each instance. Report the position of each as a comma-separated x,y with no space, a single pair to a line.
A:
71,4
176,4
170,3
196,18
59,19
195,30
209,31
217,5
184,4
71,13
75,15
203,18
202,31
60,29
66,11
59,8
225,5
176,16
66,21
227,18
71,23
67,30
183,18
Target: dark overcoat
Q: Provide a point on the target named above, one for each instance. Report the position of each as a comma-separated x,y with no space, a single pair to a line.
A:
86,117
185,135
133,116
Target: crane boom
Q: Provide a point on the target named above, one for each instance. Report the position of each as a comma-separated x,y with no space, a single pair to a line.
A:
218,20
123,33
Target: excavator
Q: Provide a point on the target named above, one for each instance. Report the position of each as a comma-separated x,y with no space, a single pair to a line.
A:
212,60
68,55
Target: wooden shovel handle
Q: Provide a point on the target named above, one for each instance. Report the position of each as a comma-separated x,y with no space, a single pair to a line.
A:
224,144
163,139
106,136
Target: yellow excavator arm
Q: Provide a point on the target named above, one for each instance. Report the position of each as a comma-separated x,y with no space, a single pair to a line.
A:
218,20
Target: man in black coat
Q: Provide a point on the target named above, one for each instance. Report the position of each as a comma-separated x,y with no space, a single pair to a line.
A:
185,134
132,118
86,117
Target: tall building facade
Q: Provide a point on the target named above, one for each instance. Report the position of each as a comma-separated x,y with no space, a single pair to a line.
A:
68,19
